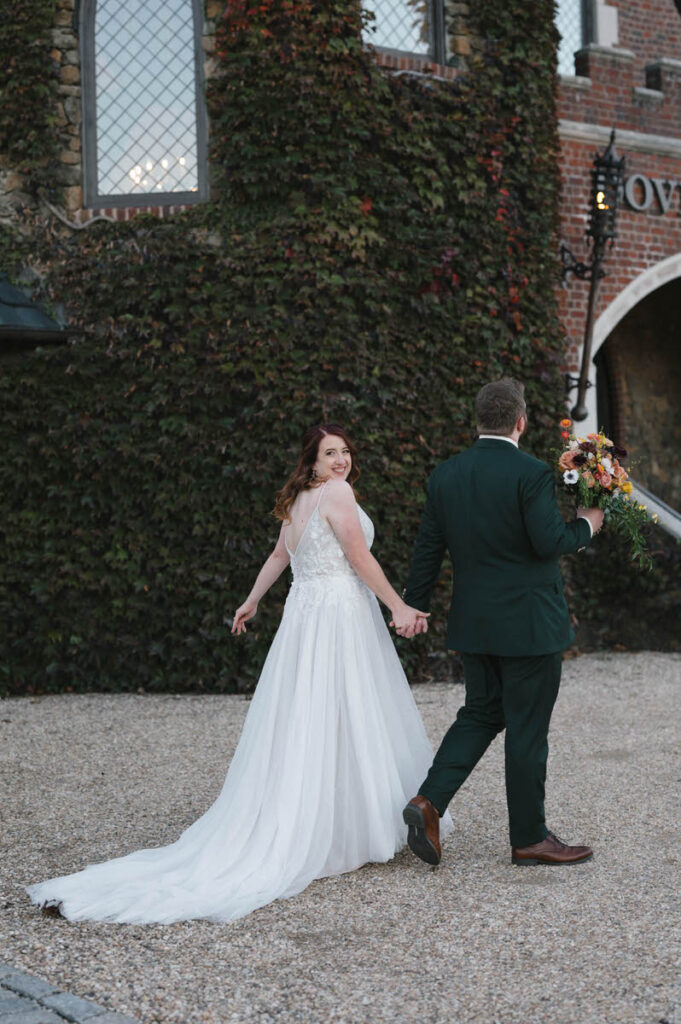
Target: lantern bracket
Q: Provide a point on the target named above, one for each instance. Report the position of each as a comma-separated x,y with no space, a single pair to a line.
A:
572,382
571,265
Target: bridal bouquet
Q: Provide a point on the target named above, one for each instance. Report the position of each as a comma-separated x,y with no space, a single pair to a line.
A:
591,468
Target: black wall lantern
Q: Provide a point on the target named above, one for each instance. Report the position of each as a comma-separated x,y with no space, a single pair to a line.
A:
606,183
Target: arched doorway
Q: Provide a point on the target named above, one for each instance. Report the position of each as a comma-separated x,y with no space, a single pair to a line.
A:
639,390
636,371
649,281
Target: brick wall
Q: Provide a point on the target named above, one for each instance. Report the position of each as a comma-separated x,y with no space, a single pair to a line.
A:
422,65
643,239
612,88
648,29
651,28
635,88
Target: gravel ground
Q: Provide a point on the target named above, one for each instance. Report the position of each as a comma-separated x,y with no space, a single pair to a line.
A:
475,941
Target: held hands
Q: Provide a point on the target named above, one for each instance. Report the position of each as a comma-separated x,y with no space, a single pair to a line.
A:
242,615
409,622
593,515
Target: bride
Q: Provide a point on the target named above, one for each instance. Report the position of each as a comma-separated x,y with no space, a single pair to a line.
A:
332,746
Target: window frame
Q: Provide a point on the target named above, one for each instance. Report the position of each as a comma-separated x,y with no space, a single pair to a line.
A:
437,44
587,17
92,199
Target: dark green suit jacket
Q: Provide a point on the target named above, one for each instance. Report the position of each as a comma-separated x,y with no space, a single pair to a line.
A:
493,507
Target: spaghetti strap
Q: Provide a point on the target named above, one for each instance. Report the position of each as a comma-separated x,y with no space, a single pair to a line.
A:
321,491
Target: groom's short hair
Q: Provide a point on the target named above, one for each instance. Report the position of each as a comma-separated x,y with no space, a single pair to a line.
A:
499,406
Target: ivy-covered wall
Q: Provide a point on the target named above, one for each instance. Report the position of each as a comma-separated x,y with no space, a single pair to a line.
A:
28,134
378,246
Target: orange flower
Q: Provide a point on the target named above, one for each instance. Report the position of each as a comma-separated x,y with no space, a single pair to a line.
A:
589,478
567,460
566,423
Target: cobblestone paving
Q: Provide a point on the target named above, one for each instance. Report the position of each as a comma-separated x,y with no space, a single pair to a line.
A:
25,999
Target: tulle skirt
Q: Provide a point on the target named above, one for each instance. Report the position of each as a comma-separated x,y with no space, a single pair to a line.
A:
332,748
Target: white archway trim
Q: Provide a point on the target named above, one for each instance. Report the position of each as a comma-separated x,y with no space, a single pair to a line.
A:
647,282
668,518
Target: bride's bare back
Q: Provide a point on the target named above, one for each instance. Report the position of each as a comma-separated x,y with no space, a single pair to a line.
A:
300,514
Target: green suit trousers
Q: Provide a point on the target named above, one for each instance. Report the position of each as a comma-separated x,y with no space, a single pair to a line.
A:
502,692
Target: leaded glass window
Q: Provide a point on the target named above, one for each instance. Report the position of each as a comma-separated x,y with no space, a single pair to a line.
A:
401,25
144,123
570,24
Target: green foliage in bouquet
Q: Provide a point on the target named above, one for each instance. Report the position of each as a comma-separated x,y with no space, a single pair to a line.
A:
629,520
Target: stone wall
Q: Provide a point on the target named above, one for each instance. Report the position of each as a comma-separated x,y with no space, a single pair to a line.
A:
644,238
69,104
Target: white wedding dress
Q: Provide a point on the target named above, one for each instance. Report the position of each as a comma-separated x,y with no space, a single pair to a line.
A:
332,748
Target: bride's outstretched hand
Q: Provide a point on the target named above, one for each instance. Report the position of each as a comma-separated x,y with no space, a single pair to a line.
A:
242,615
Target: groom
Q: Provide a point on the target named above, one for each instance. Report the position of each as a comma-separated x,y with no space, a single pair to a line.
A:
493,508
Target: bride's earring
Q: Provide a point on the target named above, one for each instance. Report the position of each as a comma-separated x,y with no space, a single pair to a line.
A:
313,474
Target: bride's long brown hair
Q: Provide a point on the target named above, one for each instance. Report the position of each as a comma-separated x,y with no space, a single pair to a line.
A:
301,478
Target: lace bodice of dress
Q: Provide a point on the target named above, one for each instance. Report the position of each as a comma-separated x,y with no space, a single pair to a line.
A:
319,553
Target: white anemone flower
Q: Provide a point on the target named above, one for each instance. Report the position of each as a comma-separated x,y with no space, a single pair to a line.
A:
570,476
606,463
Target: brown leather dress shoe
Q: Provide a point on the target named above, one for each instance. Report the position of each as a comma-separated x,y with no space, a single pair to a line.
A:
551,850
424,829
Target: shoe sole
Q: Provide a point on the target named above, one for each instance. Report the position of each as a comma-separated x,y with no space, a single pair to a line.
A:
418,841
522,862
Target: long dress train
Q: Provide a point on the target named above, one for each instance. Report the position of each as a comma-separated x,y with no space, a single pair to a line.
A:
332,748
